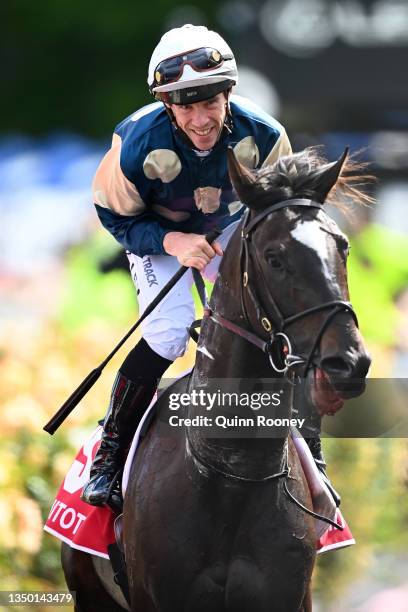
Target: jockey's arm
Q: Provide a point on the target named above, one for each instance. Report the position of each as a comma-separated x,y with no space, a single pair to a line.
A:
140,234
125,215
122,210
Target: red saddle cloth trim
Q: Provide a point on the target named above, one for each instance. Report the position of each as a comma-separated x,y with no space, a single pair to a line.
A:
334,538
90,528
85,527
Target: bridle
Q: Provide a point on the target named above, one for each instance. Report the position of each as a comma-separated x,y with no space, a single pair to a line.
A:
278,345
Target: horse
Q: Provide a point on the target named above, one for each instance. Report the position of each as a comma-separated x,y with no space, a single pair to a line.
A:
224,522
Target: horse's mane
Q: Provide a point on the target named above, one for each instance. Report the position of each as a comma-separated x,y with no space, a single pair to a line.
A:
300,175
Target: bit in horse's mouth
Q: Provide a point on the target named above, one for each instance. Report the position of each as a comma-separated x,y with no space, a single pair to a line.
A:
323,395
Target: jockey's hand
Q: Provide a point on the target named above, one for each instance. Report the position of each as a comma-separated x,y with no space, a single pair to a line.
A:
191,250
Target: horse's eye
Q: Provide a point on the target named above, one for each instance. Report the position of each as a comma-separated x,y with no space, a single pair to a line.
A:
345,249
274,261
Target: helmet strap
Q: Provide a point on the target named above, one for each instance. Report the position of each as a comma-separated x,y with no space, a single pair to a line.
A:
228,122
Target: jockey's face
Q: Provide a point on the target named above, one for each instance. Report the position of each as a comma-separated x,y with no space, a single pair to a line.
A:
202,121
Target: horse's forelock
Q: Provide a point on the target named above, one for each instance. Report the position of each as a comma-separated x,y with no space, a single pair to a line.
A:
302,175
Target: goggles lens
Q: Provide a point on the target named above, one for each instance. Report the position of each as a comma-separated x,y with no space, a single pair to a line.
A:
171,69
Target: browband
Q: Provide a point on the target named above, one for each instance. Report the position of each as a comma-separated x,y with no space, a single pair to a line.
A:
277,206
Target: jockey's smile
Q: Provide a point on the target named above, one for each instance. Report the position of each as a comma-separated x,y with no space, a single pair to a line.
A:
201,121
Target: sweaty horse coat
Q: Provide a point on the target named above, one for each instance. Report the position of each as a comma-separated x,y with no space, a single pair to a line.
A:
207,526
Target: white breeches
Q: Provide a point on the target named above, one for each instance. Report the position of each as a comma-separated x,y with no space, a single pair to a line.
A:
166,328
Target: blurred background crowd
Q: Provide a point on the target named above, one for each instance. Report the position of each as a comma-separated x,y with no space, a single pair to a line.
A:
333,73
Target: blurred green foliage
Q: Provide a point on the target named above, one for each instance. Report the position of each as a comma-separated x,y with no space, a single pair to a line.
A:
38,374
371,475
378,268
82,67
89,295
77,66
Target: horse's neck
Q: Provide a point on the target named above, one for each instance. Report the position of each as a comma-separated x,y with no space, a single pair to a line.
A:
221,357
221,353
237,441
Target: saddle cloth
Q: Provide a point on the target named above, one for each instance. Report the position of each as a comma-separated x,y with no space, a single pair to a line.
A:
82,526
90,528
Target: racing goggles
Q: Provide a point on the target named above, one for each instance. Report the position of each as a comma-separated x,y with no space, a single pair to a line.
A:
171,69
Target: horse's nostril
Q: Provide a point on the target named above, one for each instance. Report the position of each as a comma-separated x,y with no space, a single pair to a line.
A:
335,366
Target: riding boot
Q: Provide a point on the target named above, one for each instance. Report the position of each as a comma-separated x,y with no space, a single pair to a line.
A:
129,401
315,447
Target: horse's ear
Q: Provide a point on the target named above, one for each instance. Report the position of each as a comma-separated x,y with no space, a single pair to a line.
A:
329,176
242,179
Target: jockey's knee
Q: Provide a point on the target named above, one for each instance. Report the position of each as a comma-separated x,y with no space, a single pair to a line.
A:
169,345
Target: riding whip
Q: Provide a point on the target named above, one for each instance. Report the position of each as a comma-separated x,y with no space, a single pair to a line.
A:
74,399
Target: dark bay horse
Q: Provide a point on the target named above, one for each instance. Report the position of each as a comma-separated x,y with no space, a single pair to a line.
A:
208,523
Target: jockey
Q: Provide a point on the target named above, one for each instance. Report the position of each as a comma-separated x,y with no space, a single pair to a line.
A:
159,189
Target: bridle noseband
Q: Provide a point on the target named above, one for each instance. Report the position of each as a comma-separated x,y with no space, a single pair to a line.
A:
278,346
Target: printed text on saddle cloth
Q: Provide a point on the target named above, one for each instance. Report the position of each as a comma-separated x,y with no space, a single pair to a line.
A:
90,528
80,525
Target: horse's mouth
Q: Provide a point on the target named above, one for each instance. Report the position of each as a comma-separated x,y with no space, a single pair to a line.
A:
328,395
323,395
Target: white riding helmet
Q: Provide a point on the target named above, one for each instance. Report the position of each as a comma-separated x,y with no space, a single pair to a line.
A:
190,64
